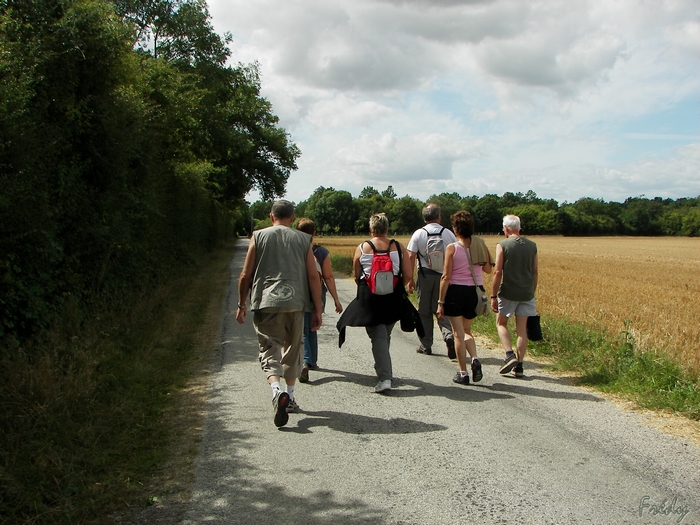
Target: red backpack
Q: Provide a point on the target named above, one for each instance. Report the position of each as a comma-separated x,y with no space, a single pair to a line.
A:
381,279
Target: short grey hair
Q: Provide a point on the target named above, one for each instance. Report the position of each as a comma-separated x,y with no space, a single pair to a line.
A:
512,222
431,212
379,224
282,209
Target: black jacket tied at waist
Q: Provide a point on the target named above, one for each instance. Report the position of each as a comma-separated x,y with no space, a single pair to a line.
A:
368,309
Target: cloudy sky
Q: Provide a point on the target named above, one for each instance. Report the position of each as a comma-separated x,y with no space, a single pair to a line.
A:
570,99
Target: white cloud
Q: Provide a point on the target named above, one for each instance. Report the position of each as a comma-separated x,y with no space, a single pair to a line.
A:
480,96
415,158
343,111
677,175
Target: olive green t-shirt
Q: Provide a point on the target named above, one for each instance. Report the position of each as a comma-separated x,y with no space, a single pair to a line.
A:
518,282
280,281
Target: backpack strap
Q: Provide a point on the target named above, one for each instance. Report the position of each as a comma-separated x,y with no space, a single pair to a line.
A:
398,249
374,248
471,266
435,233
420,264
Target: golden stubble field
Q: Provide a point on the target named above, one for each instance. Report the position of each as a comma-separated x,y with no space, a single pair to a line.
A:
648,286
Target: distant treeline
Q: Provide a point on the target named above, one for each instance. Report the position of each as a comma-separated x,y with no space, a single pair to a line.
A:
338,212
127,146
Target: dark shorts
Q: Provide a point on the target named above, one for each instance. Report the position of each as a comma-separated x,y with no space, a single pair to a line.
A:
460,301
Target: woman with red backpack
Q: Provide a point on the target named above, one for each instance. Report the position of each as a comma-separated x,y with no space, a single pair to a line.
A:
382,271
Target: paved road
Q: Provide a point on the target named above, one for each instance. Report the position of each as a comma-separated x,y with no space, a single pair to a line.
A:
533,450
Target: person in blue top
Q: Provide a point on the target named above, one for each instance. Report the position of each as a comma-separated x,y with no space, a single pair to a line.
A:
327,285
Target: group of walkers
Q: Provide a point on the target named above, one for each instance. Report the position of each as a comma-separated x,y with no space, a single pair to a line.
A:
287,278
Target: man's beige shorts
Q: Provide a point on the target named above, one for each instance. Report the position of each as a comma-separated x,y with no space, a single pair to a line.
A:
280,340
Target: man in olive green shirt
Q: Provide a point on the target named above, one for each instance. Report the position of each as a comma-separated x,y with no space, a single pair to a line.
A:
280,272
513,291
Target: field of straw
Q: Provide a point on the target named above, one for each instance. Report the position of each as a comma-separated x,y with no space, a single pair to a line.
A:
648,287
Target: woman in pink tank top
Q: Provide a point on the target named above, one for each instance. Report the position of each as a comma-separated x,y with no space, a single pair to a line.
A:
458,297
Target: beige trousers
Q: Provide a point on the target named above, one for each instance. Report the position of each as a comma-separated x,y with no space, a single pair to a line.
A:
280,341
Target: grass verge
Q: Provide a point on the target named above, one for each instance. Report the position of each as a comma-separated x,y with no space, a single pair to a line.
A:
614,364
88,423
342,264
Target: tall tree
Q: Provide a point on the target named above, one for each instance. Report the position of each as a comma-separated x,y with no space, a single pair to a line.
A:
368,192
691,223
406,215
449,203
175,30
488,214
368,206
389,192
332,211
145,154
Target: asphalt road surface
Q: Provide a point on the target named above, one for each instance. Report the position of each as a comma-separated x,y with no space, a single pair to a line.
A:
528,451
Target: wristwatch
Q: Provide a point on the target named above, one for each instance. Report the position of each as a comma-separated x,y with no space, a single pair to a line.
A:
241,305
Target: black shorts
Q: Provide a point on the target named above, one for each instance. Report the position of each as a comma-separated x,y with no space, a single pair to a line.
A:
461,301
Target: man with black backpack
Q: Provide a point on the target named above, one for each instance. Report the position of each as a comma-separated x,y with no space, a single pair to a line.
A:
427,247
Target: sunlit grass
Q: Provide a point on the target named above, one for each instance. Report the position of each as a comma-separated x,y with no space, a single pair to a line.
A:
612,362
611,314
614,284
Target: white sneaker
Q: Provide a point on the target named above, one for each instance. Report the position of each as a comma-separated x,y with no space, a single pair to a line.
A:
383,386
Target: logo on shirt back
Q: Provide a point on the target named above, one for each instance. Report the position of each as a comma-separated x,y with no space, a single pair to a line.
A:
279,292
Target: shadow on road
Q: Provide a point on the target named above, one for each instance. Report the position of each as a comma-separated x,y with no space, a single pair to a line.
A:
409,387
476,392
518,388
357,424
237,495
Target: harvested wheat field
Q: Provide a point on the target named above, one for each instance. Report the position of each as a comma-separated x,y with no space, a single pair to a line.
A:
647,286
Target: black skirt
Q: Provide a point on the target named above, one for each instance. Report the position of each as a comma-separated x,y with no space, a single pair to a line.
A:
461,301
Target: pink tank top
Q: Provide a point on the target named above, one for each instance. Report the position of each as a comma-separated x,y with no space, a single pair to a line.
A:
460,269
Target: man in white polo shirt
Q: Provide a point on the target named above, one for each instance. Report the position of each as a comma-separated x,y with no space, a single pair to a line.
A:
422,248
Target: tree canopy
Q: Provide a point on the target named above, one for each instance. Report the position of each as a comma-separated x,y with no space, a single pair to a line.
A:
336,212
127,145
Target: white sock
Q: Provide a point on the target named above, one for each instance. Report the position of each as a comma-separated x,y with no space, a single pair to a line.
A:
290,391
475,360
276,387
